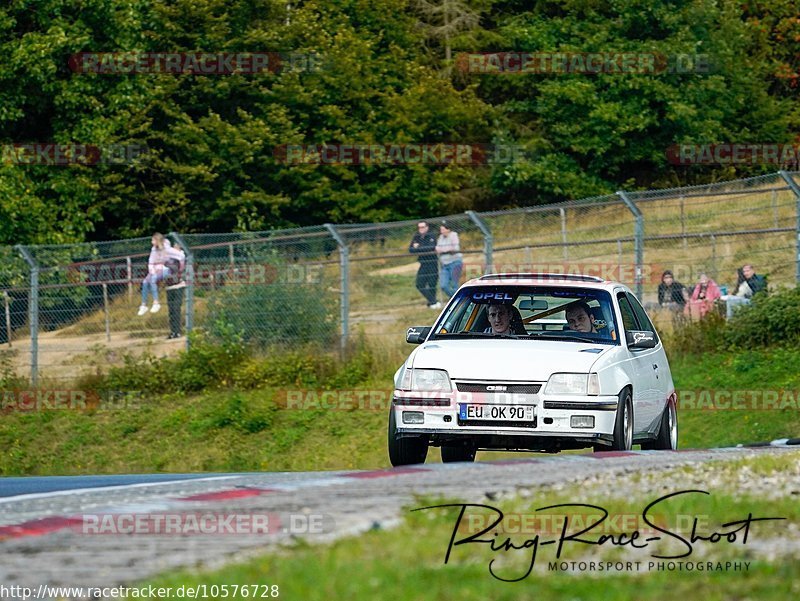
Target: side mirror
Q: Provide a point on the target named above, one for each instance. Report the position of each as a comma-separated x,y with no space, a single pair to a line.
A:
640,339
417,334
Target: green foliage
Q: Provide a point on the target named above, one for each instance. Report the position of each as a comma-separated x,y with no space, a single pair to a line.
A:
262,315
384,77
769,320
211,363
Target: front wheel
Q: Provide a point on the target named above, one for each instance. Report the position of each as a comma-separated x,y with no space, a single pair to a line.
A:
405,451
667,438
623,426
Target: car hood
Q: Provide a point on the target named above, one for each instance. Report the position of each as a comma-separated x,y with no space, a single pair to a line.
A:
493,359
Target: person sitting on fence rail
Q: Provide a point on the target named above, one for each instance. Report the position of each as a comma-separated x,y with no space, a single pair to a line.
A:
671,294
705,293
156,270
748,285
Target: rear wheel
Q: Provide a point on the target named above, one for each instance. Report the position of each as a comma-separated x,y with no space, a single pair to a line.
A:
405,451
667,438
451,454
623,426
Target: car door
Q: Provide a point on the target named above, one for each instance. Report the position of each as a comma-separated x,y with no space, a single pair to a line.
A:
639,364
662,381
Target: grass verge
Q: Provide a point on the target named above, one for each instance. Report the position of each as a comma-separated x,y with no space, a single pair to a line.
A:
408,562
248,429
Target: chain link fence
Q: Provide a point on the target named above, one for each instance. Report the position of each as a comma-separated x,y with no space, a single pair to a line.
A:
71,310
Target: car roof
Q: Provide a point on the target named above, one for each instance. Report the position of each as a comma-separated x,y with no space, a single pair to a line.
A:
549,279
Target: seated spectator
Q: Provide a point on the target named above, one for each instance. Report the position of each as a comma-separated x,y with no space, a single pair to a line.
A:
749,284
703,296
671,294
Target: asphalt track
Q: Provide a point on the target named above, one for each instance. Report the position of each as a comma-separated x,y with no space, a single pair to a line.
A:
50,534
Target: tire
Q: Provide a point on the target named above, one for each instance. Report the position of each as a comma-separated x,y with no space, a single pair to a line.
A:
667,437
452,454
623,425
405,451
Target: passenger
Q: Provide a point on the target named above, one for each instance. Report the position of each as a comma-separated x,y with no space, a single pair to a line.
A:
579,318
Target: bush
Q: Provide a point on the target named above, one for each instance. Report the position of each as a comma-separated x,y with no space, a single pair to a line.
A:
770,320
211,363
274,313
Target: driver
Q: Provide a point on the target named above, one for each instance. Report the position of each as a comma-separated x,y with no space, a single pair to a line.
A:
499,320
579,318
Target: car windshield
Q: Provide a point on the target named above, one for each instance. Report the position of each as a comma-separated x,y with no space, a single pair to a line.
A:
565,313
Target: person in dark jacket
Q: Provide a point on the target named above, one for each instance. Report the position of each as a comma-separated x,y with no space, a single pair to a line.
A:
748,285
671,294
423,244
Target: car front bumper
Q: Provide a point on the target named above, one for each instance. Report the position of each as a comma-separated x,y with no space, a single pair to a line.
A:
552,418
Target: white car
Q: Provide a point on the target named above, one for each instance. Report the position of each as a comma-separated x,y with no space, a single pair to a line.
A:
536,362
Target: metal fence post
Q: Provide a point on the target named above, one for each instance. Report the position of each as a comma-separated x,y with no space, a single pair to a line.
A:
33,311
344,276
105,310
488,240
638,241
563,214
189,277
7,303
796,189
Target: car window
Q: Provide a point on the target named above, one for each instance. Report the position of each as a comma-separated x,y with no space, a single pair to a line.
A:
628,315
532,312
641,315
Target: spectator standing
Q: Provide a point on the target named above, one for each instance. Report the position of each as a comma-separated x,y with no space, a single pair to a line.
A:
452,261
423,244
671,294
176,284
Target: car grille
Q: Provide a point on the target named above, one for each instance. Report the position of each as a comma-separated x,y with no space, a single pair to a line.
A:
509,388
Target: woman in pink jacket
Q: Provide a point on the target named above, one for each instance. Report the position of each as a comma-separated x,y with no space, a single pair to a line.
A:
703,297
156,270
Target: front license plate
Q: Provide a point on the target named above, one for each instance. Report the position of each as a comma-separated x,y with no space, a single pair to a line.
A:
504,413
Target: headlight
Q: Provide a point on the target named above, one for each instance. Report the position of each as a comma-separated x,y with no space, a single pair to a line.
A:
567,384
430,380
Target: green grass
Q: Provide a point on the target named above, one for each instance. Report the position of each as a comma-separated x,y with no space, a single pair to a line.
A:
753,370
407,562
230,430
